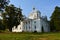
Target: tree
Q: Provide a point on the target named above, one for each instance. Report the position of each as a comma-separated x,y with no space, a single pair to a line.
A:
12,16
1,25
3,3
55,19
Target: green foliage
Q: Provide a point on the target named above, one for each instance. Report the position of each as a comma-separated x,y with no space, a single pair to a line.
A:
11,16
55,19
3,3
1,25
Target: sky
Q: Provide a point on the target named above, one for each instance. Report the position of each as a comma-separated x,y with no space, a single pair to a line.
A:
46,7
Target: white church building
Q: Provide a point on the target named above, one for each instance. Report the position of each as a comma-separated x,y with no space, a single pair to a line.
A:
33,23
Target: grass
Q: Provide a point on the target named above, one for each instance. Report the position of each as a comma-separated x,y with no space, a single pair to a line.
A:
30,36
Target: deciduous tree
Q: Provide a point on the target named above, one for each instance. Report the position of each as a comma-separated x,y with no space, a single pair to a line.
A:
55,19
12,16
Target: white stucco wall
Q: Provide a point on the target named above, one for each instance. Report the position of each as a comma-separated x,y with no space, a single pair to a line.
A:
19,28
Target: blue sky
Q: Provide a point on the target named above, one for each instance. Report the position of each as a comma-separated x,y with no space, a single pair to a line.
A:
46,7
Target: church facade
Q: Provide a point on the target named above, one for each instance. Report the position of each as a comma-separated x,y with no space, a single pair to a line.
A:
33,23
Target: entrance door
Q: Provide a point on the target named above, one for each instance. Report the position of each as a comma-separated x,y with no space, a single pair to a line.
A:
35,29
42,29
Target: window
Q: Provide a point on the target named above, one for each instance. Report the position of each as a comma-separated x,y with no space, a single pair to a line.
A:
35,26
34,21
29,27
29,22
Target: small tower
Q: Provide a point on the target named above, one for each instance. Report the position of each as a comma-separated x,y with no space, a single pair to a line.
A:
33,8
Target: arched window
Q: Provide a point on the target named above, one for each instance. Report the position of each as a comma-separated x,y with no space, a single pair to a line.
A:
29,22
26,22
29,27
35,27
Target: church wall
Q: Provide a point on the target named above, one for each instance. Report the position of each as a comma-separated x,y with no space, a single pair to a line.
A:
37,22
45,26
24,27
32,26
38,25
27,26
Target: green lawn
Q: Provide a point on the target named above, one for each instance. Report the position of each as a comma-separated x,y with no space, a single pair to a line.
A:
30,36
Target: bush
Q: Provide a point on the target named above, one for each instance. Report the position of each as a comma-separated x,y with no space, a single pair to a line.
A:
1,31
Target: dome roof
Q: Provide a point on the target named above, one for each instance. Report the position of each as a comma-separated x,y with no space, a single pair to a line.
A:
35,14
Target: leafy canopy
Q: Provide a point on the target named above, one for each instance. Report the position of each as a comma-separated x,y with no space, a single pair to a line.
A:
12,16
